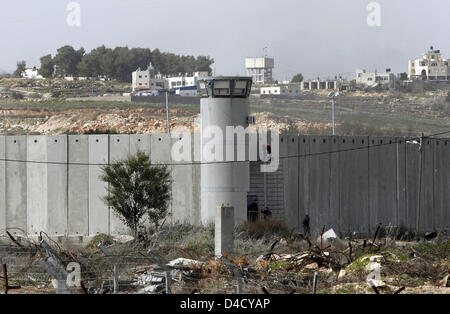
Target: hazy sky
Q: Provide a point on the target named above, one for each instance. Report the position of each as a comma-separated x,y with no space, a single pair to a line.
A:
315,37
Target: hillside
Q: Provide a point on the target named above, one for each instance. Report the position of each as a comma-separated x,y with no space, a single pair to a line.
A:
59,107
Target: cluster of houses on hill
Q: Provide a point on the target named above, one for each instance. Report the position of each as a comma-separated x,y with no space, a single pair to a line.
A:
148,82
431,68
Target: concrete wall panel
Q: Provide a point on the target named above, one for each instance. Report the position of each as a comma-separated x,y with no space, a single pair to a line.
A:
383,188
303,185
275,183
78,191
284,164
119,146
319,183
182,177
442,185
37,214
335,209
401,170
140,142
98,211
196,180
16,183
57,174
354,185
160,147
292,179
427,221
411,179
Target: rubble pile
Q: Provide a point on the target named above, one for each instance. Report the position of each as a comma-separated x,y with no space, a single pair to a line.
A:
355,266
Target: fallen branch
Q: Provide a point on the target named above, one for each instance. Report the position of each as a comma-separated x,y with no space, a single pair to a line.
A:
375,289
351,248
374,238
14,240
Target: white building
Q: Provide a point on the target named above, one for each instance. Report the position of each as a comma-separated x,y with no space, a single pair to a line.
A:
372,79
293,89
322,84
175,82
430,68
260,69
147,80
32,73
285,89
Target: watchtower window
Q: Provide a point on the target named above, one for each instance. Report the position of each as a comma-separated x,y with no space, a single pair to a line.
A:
222,88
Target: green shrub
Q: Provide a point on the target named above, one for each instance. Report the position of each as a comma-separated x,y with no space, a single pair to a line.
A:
137,188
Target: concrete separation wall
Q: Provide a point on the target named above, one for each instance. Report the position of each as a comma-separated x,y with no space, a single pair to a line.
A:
364,182
350,184
52,184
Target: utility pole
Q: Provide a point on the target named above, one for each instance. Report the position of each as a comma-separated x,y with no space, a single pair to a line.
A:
332,95
167,112
332,114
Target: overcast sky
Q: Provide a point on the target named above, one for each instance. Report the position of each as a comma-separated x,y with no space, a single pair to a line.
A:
315,37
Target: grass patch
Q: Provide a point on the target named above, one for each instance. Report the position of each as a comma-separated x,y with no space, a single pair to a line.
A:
280,265
439,249
359,264
264,229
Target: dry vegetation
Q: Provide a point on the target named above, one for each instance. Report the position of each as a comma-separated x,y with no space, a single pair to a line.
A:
268,254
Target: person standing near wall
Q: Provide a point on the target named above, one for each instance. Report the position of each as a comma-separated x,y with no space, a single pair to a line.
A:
306,228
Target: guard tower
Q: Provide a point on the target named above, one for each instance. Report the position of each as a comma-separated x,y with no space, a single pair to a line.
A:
224,102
